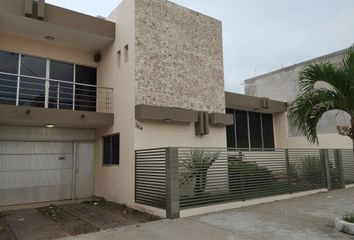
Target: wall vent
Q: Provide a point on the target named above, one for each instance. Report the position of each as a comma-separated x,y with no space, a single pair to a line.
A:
35,9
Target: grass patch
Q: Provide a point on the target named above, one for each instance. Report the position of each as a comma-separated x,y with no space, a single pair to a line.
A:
349,217
70,223
123,210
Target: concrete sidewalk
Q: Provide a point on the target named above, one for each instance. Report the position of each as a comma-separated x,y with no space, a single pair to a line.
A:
310,218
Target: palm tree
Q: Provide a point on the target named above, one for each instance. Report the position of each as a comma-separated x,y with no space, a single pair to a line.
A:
315,99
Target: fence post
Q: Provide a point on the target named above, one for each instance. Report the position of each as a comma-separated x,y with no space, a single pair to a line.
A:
339,164
288,170
324,157
172,184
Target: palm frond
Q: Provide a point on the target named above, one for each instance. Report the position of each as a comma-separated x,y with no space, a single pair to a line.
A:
306,111
325,72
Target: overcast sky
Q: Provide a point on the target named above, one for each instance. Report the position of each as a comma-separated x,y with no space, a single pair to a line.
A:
261,36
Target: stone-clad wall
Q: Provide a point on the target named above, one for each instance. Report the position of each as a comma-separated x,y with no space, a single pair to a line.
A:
179,57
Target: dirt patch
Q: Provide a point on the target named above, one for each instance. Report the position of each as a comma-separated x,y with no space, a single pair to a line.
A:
5,231
123,211
71,224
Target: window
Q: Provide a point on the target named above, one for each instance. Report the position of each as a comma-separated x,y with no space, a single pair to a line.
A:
268,131
119,58
35,72
61,93
252,130
126,53
242,140
85,96
8,83
32,88
255,129
111,150
230,131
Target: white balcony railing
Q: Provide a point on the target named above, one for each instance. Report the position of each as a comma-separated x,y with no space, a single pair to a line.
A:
24,90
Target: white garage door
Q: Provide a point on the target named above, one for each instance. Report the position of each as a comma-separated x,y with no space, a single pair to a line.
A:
35,171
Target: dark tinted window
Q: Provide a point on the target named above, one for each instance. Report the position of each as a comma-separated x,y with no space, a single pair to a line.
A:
268,131
8,62
115,149
32,90
86,75
61,71
107,150
8,83
61,94
241,129
111,150
250,130
85,95
255,129
230,131
33,66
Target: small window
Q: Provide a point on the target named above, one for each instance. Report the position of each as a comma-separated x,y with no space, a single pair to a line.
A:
126,53
119,58
111,150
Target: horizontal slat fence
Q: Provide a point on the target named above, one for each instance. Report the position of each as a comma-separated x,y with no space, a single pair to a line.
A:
348,166
219,175
204,176
150,177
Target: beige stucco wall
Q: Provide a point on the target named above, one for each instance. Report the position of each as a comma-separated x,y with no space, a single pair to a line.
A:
116,183
45,49
158,134
179,57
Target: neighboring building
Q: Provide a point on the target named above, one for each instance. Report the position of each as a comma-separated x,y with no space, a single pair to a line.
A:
282,85
80,94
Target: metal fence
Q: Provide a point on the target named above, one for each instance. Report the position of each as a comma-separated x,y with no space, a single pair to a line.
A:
192,177
150,177
348,166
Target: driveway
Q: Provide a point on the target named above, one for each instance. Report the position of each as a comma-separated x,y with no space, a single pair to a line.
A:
57,221
310,218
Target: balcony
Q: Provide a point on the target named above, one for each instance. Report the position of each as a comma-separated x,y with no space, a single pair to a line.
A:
36,101
23,90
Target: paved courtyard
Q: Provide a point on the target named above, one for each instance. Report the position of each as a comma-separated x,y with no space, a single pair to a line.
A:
310,218
55,222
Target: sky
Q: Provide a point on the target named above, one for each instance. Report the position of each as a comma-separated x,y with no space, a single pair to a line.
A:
261,36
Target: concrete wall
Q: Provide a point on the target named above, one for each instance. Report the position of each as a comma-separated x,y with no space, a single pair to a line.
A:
282,85
179,57
326,140
116,183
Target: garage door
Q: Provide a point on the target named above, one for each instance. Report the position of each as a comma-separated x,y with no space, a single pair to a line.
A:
35,171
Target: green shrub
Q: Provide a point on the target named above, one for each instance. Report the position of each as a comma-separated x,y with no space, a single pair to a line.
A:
249,178
196,168
310,170
349,217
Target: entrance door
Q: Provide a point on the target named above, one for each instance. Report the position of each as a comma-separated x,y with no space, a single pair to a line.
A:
84,187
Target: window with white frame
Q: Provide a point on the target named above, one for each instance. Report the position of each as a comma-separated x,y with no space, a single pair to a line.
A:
33,81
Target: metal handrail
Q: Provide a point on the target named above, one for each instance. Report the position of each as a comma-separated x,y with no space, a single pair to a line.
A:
52,80
49,87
